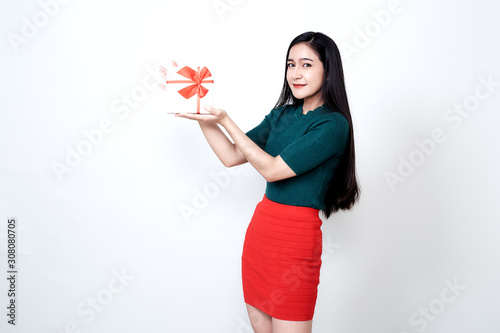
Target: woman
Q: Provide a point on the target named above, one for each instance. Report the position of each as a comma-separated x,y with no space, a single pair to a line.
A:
304,148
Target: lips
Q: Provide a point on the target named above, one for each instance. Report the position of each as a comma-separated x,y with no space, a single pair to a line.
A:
295,85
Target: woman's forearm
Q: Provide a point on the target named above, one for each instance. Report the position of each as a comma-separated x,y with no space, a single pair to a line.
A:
243,150
270,167
225,150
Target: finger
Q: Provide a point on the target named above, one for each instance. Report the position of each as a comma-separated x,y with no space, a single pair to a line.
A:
183,115
163,72
195,116
212,110
209,109
187,115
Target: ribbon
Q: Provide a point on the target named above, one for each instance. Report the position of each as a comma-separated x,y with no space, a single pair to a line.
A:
197,77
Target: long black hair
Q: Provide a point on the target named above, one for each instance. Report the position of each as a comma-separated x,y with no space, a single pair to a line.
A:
343,191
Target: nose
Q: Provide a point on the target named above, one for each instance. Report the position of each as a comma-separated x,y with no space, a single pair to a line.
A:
296,73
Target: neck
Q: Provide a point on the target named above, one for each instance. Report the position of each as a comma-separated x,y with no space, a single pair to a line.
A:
311,103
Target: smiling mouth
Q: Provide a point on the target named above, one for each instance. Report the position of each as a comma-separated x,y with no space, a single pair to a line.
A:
298,85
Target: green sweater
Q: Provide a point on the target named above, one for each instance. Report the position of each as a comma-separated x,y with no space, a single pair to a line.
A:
311,144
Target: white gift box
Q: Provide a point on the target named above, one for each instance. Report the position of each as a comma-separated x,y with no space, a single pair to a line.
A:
187,89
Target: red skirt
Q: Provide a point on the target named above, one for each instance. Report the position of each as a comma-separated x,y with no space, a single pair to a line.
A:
281,260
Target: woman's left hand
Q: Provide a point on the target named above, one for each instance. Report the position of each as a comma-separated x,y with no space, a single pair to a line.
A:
216,116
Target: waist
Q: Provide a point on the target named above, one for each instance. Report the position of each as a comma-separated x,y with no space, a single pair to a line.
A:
287,211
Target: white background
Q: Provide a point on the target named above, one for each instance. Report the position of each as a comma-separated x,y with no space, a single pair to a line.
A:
119,210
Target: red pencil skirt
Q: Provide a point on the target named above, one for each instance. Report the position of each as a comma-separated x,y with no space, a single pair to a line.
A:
281,260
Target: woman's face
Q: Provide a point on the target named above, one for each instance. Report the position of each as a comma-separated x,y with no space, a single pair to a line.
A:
304,73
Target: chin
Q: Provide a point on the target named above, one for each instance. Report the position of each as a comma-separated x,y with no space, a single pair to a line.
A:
298,95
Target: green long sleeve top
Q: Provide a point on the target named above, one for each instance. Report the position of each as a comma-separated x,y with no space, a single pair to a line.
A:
311,144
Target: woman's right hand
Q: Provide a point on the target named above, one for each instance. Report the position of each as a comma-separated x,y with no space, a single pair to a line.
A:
214,116
163,73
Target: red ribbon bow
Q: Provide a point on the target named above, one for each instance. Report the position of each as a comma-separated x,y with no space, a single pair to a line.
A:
196,77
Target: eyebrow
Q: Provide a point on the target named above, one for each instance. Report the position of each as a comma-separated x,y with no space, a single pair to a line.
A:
307,59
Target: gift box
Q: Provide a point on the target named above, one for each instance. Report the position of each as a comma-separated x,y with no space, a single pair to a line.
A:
187,89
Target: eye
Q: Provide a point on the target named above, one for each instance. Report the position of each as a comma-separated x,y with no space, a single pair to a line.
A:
307,65
290,64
